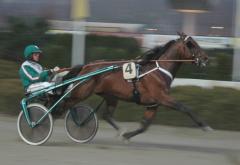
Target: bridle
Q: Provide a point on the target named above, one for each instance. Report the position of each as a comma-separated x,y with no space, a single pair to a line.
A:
196,60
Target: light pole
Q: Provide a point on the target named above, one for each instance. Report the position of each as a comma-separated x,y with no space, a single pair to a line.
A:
79,11
189,8
236,56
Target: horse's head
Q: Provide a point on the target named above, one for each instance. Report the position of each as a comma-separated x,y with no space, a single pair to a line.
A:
192,50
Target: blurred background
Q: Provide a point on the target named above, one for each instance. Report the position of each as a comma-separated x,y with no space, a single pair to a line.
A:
74,32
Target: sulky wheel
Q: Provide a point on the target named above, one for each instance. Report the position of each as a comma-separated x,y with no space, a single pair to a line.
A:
41,132
81,123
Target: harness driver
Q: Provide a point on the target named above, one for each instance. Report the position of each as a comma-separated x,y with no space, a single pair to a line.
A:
32,74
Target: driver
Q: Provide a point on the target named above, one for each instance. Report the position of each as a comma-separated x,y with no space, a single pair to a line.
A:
32,74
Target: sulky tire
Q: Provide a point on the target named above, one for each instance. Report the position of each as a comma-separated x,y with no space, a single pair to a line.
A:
41,132
76,131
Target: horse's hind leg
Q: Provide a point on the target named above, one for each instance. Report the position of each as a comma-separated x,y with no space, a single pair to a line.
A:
148,117
108,112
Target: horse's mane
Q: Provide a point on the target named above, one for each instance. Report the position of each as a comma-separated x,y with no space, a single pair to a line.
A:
156,52
152,54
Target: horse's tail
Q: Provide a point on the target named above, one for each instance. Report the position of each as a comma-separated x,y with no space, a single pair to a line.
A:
74,71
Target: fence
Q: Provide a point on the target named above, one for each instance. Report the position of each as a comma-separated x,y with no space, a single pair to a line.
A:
205,83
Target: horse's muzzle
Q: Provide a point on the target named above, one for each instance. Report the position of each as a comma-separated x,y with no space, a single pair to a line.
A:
201,62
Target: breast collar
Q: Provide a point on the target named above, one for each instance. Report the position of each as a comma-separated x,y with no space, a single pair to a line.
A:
162,70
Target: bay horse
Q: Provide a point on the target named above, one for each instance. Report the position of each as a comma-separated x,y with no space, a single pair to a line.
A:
159,67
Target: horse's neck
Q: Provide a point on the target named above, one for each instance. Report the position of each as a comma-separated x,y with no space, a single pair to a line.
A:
171,54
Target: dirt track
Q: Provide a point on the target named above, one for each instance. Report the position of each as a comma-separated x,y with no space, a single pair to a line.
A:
160,145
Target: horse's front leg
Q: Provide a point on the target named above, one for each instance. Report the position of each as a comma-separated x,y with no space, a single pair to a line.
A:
171,103
148,117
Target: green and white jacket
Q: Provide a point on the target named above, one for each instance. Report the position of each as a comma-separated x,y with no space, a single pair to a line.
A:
32,72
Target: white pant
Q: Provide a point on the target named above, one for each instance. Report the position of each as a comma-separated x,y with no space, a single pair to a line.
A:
41,85
37,86
59,75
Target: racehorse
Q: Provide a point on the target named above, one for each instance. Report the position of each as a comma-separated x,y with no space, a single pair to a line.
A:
159,67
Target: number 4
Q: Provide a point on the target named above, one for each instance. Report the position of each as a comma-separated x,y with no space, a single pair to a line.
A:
129,68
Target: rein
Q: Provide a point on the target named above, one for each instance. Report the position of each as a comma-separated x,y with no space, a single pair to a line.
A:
115,62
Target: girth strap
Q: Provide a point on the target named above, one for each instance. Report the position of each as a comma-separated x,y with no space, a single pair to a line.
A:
136,94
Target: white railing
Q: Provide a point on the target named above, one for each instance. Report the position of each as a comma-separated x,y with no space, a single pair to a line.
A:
205,83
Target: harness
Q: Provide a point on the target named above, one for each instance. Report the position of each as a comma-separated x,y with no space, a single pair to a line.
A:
136,94
166,72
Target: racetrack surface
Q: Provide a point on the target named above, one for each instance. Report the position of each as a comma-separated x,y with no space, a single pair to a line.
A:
159,145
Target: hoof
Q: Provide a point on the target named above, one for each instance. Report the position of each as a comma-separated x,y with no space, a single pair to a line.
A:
125,139
207,128
120,132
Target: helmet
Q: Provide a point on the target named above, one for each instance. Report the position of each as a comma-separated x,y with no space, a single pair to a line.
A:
30,49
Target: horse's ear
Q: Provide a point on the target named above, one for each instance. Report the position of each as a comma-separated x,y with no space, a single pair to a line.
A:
184,34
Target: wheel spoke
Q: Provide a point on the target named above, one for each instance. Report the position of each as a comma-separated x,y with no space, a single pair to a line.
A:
87,130
41,132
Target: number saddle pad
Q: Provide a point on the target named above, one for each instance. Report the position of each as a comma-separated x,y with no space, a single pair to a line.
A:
129,71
